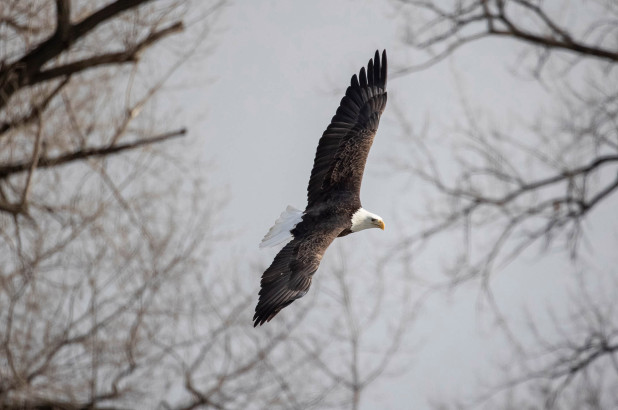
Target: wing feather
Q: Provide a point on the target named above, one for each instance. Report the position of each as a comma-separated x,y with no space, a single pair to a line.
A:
342,151
289,276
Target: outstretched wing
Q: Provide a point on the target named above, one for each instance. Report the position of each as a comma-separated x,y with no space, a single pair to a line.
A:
342,151
289,276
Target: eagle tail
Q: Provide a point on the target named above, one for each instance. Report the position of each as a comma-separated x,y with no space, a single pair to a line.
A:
280,231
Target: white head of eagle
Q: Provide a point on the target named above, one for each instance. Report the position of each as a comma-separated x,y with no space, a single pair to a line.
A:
333,195
363,219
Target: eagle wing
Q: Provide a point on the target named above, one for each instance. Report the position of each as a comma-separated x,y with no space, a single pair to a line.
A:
289,276
342,151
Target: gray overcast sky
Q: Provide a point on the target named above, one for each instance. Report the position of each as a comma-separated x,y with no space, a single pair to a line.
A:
271,85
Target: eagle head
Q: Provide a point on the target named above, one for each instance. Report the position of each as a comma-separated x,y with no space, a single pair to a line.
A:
363,219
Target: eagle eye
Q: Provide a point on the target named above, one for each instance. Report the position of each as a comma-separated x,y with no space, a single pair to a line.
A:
373,219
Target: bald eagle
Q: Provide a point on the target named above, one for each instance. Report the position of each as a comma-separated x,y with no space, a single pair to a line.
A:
333,195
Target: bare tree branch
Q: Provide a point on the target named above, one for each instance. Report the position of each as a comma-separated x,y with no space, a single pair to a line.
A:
63,19
127,56
24,71
36,110
47,162
454,28
502,194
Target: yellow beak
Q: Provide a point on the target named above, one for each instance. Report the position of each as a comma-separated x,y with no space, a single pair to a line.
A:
380,224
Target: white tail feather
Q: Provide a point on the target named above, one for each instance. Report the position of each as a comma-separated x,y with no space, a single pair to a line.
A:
280,231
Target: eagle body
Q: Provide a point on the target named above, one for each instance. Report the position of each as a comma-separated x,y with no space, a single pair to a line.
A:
333,195
337,212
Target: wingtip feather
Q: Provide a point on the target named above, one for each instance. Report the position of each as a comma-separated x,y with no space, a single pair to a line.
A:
354,82
384,68
363,77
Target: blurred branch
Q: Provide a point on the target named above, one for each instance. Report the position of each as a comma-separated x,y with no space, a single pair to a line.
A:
63,19
130,55
501,187
109,263
558,37
47,162
33,164
27,70
36,110
451,28
471,203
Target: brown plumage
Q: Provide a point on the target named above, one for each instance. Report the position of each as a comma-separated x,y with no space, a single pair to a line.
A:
333,195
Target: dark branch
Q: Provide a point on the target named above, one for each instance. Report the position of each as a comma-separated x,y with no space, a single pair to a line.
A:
459,20
47,162
562,40
20,73
35,111
63,19
128,56
53,46
579,48
54,405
